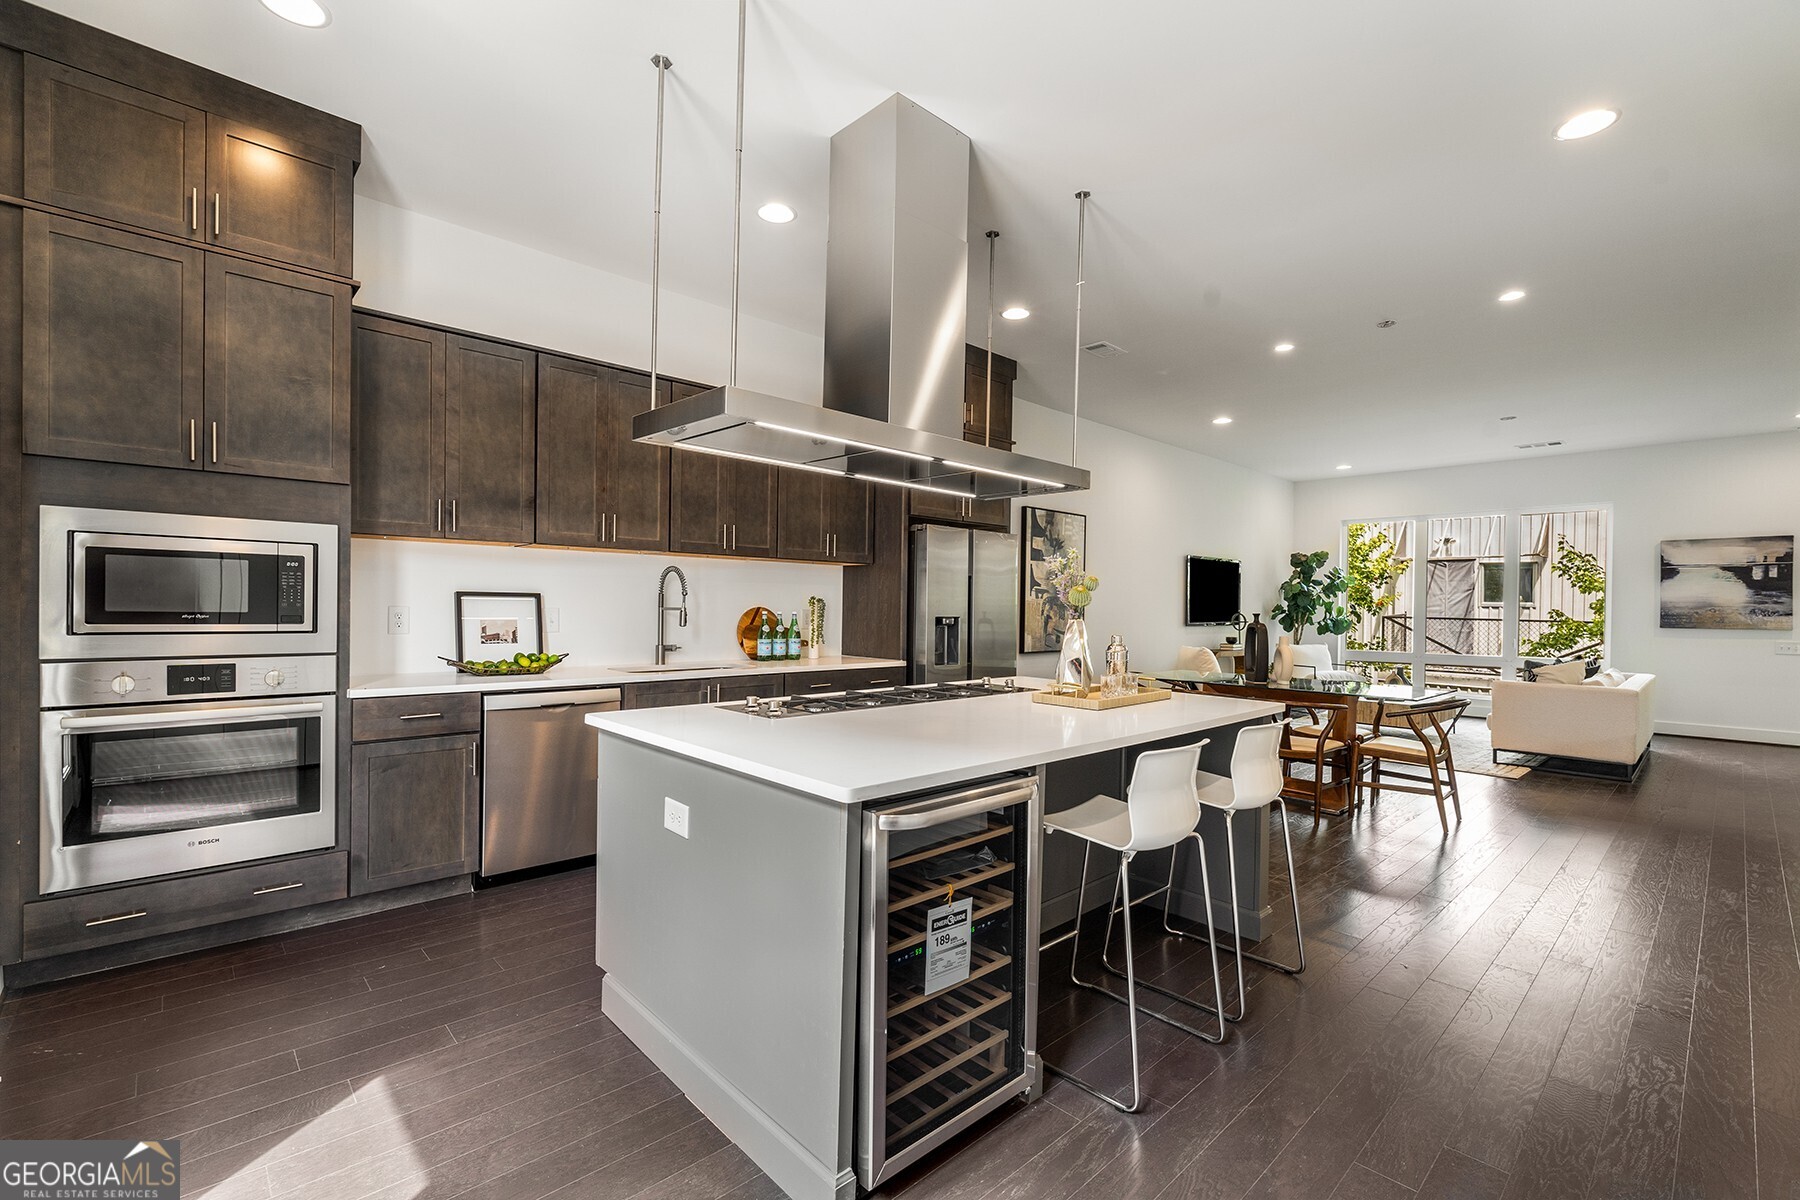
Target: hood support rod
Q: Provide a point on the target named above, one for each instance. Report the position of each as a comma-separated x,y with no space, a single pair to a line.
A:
737,193
662,64
1081,199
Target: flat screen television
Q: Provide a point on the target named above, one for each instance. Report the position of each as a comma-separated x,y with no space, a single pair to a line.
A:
1213,586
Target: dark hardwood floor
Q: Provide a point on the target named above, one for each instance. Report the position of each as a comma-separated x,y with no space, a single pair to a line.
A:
1588,989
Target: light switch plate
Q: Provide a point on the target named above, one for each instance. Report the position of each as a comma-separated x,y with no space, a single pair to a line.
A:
675,816
1787,647
399,619
553,620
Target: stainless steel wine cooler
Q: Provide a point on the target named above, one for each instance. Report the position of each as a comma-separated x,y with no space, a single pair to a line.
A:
949,967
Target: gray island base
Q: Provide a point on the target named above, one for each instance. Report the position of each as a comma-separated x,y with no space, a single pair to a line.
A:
731,886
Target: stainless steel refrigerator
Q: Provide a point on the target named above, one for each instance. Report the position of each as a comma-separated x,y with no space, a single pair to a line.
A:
965,604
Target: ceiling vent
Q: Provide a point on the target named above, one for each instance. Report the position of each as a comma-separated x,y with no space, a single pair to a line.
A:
1104,349
1537,445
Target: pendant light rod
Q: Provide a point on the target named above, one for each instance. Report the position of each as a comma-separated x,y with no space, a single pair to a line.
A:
987,423
737,191
1081,199
662,64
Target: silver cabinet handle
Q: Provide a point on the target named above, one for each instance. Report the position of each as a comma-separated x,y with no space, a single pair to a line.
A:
453,516
194,210
215,440
873,682
437,525
193,440
216,206
826,684
419,716
961,804
278,887
130,916
723,530
734,536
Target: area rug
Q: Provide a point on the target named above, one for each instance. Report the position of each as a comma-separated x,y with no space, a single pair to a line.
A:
1474,751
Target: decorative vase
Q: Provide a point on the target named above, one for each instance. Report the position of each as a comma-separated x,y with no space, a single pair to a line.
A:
1256,650
1074,665
1281,665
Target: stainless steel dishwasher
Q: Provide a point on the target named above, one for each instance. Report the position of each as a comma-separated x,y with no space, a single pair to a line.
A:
538,778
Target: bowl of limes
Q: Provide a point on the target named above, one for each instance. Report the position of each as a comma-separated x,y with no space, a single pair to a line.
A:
518,664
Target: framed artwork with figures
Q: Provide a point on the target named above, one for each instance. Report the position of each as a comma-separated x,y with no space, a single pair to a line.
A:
497,625
1044,533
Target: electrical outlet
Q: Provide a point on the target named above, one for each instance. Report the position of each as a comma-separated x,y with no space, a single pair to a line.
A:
675,816
553,620
1787,647
399,618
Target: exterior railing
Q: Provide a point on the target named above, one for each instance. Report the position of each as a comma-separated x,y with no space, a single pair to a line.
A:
1394,633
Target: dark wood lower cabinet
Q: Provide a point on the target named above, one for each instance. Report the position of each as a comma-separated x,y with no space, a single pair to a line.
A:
414,811
64,924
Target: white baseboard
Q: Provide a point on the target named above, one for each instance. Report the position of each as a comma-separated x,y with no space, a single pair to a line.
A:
1730,733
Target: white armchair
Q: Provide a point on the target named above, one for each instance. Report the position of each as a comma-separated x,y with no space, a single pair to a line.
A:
1310,661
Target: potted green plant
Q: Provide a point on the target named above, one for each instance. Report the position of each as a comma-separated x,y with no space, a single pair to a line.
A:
1309,599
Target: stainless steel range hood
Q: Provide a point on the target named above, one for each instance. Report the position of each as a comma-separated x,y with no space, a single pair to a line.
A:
896,321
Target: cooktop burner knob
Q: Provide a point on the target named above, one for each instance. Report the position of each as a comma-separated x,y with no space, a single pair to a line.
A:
274,679
123,683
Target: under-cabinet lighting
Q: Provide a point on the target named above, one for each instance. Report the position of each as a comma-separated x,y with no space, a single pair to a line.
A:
907,483
808,433
957,466
697,448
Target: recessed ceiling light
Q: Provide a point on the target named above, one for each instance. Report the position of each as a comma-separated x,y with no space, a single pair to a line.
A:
1284,347
1580,125
773,212
1015,313
1509,296
309,13
1221,420
1343,466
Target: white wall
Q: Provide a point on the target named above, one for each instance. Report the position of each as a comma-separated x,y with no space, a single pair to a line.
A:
606,600
418,267
1153,504
1709,683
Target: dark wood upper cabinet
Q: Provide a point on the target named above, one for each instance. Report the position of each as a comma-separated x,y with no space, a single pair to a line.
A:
111,151
277,372
114,336
983,405
823,517
274,197
721,505
398,484
595,486
490,440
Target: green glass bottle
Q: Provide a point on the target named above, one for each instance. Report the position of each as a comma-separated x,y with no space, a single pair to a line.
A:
793,636
765,641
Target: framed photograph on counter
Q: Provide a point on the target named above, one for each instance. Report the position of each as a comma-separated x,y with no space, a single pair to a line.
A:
496,625
1042,617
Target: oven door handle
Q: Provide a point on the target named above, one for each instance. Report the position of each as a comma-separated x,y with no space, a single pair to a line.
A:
191,716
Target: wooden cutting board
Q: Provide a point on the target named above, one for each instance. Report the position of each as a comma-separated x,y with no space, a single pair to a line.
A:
749,625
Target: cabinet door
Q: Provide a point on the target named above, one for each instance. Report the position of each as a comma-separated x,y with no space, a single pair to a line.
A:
113,344
697,502
634,487
413,811
570,394
991,514
849,519
277,372
982,407
397,486
277,198
936,506
800,515
102,148
490,440
748,489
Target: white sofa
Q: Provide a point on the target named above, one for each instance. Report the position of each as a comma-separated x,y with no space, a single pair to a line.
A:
1606,725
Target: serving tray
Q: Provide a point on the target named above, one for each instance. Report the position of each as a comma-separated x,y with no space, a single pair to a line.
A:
1096,701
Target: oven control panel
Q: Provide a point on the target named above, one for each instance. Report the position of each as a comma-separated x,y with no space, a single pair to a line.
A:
150,681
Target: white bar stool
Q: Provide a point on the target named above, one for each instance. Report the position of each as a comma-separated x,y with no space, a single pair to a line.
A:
1255,783
1161,809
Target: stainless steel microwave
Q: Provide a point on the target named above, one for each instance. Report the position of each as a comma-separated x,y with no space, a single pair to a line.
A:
127,584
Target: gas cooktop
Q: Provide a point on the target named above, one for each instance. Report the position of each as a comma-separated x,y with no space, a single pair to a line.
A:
897,697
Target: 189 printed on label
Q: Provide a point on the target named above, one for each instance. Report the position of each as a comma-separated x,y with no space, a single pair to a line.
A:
947,930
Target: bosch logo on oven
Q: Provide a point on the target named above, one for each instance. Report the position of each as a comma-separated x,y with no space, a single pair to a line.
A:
207,842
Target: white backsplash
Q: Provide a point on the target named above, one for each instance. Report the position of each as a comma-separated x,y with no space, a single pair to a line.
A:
605,600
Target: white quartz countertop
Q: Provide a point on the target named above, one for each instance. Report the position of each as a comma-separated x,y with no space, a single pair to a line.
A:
854,757
573,675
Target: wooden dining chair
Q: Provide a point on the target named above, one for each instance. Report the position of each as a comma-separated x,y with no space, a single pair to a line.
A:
1322,735
1423,743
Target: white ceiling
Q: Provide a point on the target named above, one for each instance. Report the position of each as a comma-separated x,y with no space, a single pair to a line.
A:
1261,172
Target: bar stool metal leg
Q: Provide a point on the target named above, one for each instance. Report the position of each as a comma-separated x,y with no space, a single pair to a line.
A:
1129,999
1212,952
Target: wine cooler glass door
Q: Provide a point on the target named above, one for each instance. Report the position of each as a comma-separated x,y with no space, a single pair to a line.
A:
949,967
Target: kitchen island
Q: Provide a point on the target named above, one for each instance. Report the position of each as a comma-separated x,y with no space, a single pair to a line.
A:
733,866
